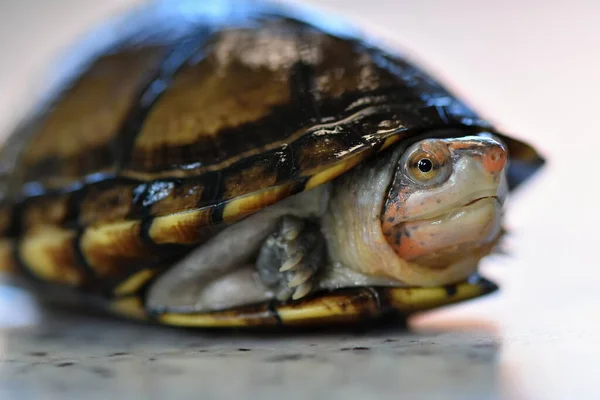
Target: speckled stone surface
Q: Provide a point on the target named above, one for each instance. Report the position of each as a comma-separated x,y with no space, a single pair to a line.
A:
94,357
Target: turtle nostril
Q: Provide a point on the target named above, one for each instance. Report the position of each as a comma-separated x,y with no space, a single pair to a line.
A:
494,160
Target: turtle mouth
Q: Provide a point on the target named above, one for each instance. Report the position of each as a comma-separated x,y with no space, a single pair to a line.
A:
451,209
481,199
444,238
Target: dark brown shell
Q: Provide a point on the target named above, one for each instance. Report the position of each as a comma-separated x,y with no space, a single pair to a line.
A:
190,120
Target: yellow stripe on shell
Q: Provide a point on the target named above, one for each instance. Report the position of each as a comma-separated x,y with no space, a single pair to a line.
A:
240,207
390,141
180,228
224,319
336,170
49,254
410,300
104,246
328,308
331,309
105,233
132,284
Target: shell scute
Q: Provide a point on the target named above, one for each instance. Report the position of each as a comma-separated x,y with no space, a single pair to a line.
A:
74,139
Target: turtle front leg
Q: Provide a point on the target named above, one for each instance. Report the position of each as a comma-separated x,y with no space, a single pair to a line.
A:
290,257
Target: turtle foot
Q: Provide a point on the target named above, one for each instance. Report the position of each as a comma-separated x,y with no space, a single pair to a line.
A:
290,257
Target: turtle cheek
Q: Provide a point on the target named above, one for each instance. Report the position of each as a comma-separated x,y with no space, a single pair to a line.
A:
410,203
395,210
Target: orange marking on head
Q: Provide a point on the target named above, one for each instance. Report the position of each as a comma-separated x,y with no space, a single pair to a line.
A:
491,154
494,159
410,244
394,212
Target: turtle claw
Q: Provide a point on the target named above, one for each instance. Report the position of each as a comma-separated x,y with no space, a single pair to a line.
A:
302,290
290,257
301,276
292,263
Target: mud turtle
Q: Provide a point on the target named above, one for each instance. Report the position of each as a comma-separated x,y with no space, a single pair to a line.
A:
228,164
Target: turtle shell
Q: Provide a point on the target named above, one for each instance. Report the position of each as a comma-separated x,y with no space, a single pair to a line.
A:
181,118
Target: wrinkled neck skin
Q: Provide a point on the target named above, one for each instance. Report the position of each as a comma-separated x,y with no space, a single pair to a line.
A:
379,238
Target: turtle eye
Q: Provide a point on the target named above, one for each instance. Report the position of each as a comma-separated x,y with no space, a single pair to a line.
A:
425,165
425,168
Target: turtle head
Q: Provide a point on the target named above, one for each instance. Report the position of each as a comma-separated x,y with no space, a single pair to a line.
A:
440,209
445,200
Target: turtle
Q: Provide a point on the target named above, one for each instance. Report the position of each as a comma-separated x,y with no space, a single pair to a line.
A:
229,164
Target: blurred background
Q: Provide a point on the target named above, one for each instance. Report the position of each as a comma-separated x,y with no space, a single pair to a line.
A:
531,66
